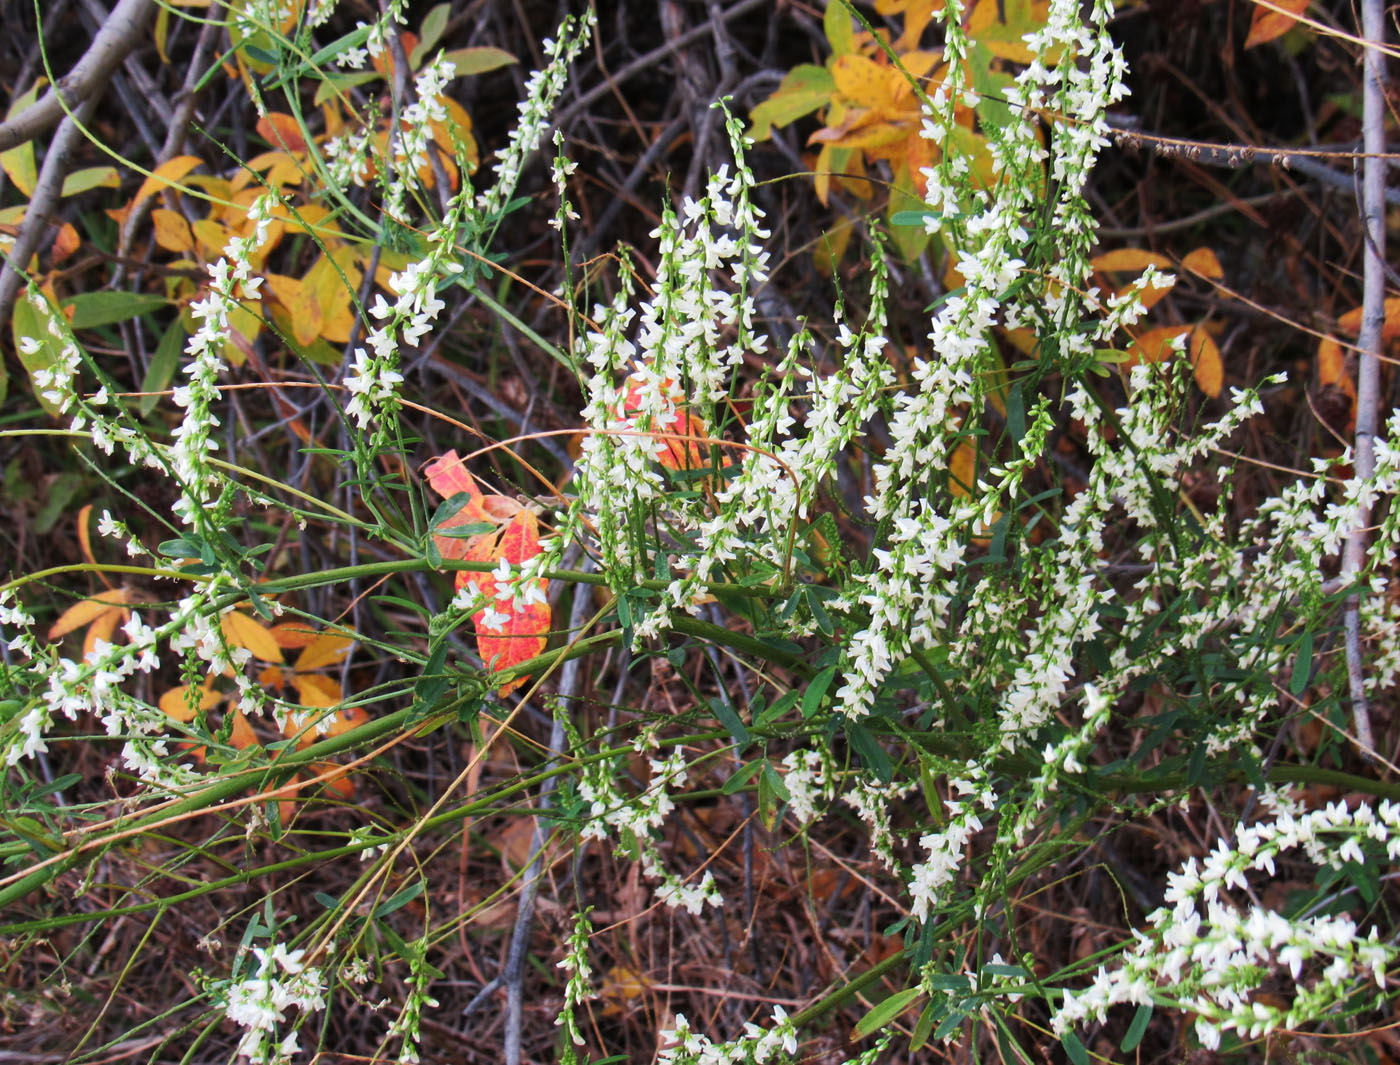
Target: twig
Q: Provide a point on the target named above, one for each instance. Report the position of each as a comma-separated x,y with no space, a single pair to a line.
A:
513,972
1206,153
1369,346
47,190
117,38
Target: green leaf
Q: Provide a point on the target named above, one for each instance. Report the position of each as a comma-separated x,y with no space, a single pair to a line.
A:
816,691
400,899
871,753
741,776
1074,1048
92,309
165,360
470,61
772,793
781,706
805,88
429,33
885,1012
1137,1028
836,22
924,1027
726,715
1302,666
92,177
335,84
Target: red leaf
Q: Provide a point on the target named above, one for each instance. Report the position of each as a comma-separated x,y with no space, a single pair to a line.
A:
447,476
507,632
675,454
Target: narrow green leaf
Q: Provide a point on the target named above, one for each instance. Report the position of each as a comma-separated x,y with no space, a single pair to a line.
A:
724,712
885,1012
816,691
165,360
1302,666
1074,1048
1137,1028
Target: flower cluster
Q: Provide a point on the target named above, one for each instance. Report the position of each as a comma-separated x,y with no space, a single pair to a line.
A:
259,1003
1214,958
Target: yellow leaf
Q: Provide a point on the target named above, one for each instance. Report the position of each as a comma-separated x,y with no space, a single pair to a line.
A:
1124,260
172,231
179,704
242,631
1267,25
1203,263
167,175
865,82
1205,362
77,616
318,690
210,238
328,649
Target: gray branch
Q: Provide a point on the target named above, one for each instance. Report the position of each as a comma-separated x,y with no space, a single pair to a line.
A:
118,37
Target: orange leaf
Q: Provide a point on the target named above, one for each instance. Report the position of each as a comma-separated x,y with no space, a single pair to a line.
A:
675,454
1155,344
79,615
1203,263
102,628
1266,25
65,243
1129,259
509,632
342,721
281,131
292,635
317,689
242,735
1351,321
1205,362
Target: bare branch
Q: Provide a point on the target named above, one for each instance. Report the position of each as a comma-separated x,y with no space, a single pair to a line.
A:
1369,344
119,35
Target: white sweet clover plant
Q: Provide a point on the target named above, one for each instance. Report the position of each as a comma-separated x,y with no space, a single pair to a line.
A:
1039,649
1043,650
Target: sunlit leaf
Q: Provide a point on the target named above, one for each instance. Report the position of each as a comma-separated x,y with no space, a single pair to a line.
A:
242,631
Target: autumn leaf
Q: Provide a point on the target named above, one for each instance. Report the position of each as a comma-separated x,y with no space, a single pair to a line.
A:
1267,25
509,631
448,476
